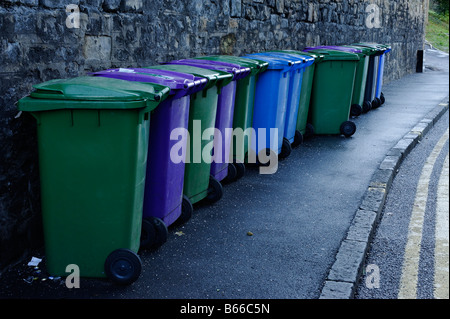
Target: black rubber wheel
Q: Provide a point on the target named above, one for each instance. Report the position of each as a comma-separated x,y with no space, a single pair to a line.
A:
378,101
367,106
298,139
186,211
348,128
232,173
123,266
215,190
309,131
375,103
286,148
356,110
382,98
154,233
240,169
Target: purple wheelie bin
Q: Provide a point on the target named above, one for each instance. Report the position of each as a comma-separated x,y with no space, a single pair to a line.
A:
222,167
164,202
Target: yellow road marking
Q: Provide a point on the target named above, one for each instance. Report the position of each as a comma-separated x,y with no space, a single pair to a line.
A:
441,253
410,270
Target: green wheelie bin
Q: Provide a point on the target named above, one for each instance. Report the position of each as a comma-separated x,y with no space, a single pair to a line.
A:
199,184
92,141
358,106
332,92
303,128
244,103
363,78
372,72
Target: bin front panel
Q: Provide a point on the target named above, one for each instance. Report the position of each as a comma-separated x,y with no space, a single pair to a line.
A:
270,109
165,175
203,109
305,98
224,123
243,115
92,166
331,95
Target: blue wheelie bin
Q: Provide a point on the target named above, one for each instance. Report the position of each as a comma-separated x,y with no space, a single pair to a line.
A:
295,86
269,114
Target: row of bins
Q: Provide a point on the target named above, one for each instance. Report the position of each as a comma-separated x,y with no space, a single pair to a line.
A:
125,153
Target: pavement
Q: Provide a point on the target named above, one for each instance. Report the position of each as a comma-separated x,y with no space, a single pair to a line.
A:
301,233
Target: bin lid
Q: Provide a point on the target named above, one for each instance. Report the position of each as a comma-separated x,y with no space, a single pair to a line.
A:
385,46
88,88
275,63
256,66
305,61
238,71
333,55
336,47
180,84
296,61
317,56
381,50
365,50
215,77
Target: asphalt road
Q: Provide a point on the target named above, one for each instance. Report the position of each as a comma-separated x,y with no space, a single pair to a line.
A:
387,251
298,216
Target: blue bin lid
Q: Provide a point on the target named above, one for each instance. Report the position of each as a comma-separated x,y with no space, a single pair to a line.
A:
237,70
275,63
180,84
304,60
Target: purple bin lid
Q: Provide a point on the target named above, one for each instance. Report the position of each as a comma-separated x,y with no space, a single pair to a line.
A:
334,47
180,84
237,70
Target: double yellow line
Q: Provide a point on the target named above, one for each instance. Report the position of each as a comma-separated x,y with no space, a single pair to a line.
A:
410,270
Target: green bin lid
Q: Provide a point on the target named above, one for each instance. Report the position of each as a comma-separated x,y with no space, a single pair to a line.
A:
256,66
379,50
365,50
333,55
88,88
215,77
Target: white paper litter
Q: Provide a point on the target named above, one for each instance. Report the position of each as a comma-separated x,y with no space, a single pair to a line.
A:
34,261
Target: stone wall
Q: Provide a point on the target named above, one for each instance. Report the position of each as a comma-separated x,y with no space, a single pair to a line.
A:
40,40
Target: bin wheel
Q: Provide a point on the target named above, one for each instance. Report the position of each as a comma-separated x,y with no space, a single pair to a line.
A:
348,128
375,103
298,139
215,190
309,131
382,98
367,106
240,169
123,266
356,110
232,173
378,101
154,233
186,210
286,148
